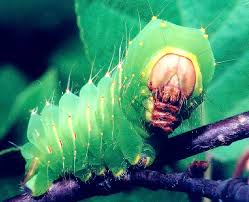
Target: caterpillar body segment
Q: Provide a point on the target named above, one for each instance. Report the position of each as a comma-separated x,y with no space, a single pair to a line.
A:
88,126
83,135
36,132
167,68
68,106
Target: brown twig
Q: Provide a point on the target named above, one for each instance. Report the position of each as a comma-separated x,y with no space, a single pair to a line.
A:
202,139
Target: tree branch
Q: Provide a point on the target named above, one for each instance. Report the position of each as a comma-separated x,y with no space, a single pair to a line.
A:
202,139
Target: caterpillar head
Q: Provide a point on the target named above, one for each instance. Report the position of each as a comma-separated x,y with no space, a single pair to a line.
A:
171,82
172,72
172,66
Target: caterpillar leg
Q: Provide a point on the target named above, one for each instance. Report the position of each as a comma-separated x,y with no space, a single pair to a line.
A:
115,161
39,177
32,170
148,156
39,183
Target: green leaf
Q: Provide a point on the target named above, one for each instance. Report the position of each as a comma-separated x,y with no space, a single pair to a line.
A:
231,153
228,93
115,24
206,14
71,62
224,158
12,82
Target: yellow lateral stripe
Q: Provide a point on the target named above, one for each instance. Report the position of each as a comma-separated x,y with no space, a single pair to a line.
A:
57,136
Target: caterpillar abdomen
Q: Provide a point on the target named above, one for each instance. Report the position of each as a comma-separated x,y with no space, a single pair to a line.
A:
84,134
172,82
167,68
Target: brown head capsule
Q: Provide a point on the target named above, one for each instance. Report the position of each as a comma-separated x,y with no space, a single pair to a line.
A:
172,81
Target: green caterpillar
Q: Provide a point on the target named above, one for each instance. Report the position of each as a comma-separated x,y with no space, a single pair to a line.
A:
105,126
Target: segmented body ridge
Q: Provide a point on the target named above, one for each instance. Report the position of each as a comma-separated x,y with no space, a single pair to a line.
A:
83,135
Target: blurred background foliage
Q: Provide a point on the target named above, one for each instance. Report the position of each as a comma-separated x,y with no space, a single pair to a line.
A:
41,45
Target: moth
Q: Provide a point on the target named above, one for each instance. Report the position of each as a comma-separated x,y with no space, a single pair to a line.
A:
159,83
